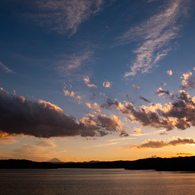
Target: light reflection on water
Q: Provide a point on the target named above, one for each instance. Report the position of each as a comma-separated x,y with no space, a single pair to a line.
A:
95,181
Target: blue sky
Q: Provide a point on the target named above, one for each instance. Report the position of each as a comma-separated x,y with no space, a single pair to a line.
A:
77,77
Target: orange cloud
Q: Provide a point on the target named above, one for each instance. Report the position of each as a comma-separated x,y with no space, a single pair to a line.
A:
95,106
72,94
169,72
188,80
136,87
137,130
5,136
87,82
162,144
107,84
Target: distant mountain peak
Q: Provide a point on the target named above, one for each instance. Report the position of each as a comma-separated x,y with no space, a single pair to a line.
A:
55,160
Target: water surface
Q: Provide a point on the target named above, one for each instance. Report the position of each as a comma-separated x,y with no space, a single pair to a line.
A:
94,181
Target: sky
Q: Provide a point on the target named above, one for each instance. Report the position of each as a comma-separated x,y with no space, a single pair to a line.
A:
102,80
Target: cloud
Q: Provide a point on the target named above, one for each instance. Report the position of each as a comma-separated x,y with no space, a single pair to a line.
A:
42,119
188,80
161,92
109,104
46,143
146,100
95,106
113,124
107,84
72,63
155,34
184,154
5,136
169,72
72,94
6,69
87,82
136,87
62,16
137,130
108,144
67,93
162,144
176,114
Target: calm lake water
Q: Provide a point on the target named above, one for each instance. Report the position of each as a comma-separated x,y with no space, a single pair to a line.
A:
95,181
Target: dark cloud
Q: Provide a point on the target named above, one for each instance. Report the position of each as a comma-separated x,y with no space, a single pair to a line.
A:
107,122
146,118
162,144
161,91
42,119
102,121
112,123
184,154
146,100
108,104
178,114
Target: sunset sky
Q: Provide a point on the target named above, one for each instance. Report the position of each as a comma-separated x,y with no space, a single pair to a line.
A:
84,80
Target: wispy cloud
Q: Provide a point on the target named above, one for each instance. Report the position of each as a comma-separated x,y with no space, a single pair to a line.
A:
71,63
108,144
122,139
162,144
5,68
62,16
155,34
46,143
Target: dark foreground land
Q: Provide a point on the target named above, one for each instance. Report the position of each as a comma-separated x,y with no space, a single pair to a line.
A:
159,164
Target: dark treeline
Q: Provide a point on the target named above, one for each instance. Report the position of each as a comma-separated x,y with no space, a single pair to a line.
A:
159,164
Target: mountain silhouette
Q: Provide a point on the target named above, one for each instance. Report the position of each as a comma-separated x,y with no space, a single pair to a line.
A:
158,164
55,160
